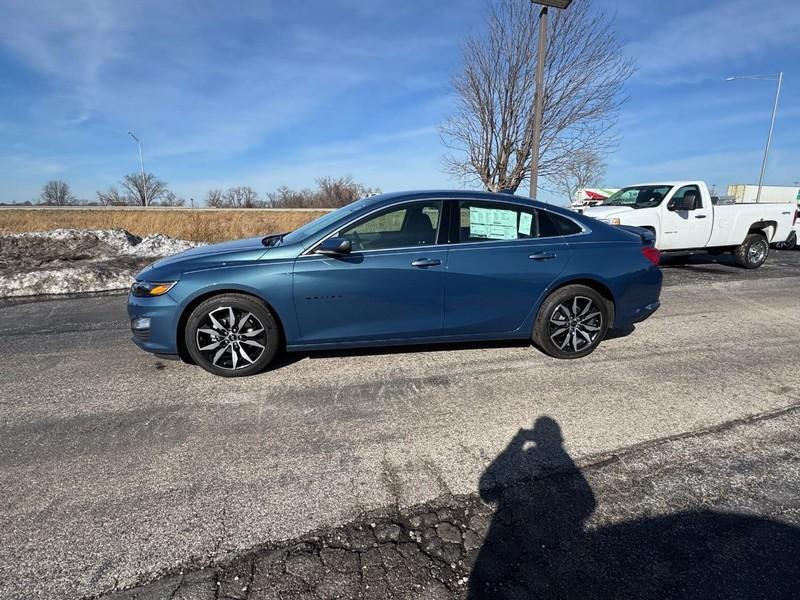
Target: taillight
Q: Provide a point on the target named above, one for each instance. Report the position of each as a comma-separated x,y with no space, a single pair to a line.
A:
652,254
796,214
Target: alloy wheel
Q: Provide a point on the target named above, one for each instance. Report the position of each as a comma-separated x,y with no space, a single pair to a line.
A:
231,338
757,251
575,324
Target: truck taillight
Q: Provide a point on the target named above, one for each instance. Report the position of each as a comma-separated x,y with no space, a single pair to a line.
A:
652,254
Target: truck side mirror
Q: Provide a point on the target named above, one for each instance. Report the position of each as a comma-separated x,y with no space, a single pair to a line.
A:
684,203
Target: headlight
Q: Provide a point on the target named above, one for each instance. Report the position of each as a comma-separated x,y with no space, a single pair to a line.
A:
151,288
615,221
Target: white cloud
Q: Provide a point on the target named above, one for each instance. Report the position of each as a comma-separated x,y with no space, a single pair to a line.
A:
695,44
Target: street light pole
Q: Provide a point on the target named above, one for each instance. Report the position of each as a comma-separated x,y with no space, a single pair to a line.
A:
539,101
539,98
779,79
141,164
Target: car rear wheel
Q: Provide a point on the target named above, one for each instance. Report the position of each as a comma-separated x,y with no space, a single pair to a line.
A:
571,322
752,253
232,335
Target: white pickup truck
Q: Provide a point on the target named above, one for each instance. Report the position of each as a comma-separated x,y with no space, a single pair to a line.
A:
686,221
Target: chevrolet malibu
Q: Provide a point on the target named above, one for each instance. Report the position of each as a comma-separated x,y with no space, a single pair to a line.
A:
404,268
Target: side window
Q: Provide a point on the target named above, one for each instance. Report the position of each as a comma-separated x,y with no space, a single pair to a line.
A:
412,224
484,221
689,194
560,225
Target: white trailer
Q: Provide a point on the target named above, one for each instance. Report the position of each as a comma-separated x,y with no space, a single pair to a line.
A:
778,194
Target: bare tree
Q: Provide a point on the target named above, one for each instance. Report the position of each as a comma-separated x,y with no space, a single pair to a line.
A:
491,133
584,169
171,199
143,190
242,196
111,197
57,193
285,197
331,192
214,199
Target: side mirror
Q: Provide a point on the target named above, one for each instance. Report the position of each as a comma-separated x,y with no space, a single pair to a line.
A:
681,204
335,246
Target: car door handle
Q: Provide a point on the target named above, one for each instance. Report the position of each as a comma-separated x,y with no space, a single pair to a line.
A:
425,262
700,216
543,255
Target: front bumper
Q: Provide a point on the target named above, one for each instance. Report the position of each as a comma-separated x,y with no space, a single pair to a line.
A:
163,313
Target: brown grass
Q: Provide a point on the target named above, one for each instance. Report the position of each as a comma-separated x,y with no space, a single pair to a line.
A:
204,225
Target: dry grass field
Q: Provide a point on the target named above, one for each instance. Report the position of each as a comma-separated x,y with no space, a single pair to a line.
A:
202,225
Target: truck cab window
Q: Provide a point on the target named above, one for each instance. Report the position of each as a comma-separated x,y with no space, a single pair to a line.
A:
688,195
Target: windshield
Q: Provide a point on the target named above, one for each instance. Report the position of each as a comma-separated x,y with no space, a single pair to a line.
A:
317,225
639,196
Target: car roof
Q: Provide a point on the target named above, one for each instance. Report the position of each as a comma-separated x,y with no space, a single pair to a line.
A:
392,197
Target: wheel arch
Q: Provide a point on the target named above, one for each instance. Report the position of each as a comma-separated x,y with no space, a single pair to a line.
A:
202,297
595,284
765,228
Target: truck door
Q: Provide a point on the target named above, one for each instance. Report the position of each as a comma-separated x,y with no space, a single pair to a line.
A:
687,220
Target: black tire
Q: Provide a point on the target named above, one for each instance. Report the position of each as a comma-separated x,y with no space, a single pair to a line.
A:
564,329
789,244
232,347
752,252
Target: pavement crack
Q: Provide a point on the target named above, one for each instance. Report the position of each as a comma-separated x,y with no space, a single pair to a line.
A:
177,587
602,459
391,479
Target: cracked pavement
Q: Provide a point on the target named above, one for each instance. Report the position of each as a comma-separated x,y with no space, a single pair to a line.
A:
119,469
681,525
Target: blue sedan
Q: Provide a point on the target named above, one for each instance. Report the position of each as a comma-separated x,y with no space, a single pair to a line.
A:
405,268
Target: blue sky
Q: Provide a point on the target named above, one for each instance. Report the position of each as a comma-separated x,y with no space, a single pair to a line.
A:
273,93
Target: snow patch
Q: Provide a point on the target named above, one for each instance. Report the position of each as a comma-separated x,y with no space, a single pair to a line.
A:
69,280
64,261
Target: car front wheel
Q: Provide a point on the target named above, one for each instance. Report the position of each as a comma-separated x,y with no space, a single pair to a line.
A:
232,335
571,322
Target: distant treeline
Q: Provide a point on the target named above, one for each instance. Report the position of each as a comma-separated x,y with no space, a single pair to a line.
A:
137,190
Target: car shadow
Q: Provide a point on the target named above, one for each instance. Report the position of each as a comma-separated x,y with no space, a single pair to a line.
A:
284,359
696,262
537,544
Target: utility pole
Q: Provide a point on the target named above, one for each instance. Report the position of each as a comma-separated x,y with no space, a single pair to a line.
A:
539,98
141,164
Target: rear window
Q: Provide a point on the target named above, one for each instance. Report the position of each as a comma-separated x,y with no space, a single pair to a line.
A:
563,225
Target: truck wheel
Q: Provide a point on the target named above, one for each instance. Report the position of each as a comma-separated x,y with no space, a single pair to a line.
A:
752,253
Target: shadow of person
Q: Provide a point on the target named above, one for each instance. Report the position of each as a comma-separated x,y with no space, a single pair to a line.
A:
542,501
537,545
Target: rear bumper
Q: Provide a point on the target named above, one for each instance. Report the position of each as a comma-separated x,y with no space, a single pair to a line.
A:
163,313
640,299
645,311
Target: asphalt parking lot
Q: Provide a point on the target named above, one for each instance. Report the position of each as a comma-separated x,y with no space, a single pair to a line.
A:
118,467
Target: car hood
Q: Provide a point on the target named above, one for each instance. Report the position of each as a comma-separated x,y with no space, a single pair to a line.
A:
204,256
605,212
246,244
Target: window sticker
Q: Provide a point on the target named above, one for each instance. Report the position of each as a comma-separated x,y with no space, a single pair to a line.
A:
525,222
492,223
